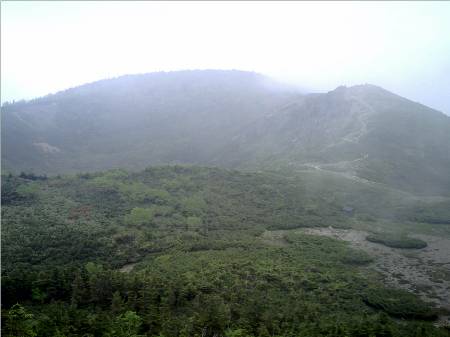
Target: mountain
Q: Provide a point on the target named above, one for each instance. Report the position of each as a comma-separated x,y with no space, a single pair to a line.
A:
362,131
232,119
251,247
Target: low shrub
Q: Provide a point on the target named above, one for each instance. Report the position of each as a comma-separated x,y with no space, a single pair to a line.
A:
397,241
399,303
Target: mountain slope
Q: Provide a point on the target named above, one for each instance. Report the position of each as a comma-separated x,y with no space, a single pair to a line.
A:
134,121
232,119
362,131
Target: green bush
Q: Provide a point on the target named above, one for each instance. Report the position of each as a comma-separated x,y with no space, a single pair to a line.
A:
356,257
396,241
140,216
399,303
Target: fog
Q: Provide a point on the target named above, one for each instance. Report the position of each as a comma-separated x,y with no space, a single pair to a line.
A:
401,46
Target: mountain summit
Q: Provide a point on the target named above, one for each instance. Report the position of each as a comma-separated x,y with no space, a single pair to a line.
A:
231,119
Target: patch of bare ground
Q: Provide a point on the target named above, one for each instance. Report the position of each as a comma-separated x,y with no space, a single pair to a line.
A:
274,238
127,268
425,272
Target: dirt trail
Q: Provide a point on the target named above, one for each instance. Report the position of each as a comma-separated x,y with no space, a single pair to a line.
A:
320,167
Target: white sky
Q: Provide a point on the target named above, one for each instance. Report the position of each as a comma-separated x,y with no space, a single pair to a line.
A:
401,46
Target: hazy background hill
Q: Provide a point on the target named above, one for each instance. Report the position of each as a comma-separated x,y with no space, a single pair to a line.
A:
136,121
232,119
363,131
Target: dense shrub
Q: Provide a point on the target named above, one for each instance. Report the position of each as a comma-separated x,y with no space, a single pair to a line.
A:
399,303
396,241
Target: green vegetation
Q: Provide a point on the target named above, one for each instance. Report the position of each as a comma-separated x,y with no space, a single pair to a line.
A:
396,241
203,266
399,304
231,119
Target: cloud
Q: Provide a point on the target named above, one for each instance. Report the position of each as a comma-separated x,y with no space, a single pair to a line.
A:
404,47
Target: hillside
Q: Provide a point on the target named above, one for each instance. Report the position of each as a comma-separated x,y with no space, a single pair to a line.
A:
170,198
176,250
362,131
231,119
135,121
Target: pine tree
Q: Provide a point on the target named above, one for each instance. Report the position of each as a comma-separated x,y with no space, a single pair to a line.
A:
19,323
117,303
78,290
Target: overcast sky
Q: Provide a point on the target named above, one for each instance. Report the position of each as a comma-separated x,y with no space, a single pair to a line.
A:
401,46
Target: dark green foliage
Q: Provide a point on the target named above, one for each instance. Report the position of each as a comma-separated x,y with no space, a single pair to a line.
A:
32,176
432,213
19,323
9,190
357,258
396,241
399,303
119,217
126,325
201,262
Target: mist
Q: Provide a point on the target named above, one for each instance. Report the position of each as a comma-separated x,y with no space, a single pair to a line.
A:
400,46
225,169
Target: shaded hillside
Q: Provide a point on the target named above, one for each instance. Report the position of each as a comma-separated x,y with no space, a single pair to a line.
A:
231,119
362,131
135,121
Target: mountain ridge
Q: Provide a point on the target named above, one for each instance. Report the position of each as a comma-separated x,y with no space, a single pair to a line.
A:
233,119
